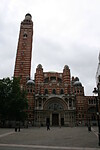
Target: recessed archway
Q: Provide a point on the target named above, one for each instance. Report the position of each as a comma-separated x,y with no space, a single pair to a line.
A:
55,104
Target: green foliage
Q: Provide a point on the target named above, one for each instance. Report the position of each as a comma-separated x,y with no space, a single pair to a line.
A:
13,100
5,93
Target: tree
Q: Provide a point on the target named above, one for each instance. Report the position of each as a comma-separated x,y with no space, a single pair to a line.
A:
13,100
18,103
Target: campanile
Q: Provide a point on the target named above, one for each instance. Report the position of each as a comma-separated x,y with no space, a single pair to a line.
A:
24,50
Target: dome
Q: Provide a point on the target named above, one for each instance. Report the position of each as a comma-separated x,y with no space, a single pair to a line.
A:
30,82
77,83
66,67
39,66
76,79
28,16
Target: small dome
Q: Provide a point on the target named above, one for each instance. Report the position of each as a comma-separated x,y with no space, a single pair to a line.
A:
30,82
76,79
28,16
77,83
66,67
39,66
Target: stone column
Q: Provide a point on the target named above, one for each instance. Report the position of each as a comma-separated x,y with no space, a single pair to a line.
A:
50,119
59,119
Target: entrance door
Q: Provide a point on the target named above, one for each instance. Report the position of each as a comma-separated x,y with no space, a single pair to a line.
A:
62,121
55,119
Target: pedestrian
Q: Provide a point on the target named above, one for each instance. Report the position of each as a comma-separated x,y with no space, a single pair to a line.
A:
15,127
89,127
19,128
48,126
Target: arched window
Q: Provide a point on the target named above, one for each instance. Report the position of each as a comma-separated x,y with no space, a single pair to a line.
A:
46,80
53,79
55,106
25,35
89,101
70,103
46,91
53,91
59,80
40,103
61,91
31,90
28,90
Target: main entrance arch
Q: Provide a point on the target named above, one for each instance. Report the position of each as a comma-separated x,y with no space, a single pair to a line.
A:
55,108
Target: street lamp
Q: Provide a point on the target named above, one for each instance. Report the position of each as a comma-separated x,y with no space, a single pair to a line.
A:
96,91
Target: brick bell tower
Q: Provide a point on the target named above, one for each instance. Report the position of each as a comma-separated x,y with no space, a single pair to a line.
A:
24,51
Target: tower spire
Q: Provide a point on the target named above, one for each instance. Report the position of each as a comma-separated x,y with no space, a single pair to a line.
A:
24,50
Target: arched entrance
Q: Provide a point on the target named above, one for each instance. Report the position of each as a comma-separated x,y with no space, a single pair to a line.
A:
55,107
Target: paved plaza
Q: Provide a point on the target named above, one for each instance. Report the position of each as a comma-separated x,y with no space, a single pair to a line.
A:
65,138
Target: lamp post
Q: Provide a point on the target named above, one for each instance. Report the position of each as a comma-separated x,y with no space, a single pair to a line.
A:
97,91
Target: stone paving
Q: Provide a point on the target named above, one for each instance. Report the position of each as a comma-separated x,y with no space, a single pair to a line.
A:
6,130
75,138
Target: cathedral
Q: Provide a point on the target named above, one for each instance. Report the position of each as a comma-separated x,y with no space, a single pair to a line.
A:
53,97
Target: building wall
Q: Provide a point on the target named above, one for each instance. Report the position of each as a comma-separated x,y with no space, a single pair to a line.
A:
23,61
52,80
91,110
24,50
53,97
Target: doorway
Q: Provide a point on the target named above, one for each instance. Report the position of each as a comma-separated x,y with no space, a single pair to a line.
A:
62,121
47,120
55,119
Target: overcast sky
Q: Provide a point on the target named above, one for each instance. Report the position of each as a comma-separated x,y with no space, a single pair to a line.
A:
66,32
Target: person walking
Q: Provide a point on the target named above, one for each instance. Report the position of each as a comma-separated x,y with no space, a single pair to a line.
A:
48,126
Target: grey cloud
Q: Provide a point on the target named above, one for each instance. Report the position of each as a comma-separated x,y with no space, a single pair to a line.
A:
69,33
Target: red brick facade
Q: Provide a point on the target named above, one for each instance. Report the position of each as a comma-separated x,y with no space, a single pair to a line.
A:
52,81
24,50
53,97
